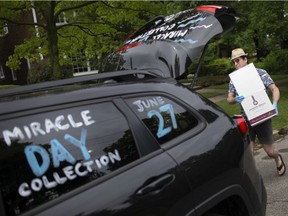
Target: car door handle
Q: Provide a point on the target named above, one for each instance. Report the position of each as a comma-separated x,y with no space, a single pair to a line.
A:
156,185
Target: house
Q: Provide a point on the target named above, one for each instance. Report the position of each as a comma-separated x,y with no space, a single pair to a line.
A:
14,35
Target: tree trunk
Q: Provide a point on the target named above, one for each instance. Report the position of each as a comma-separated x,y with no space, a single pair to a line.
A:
53,43
256,43
54,55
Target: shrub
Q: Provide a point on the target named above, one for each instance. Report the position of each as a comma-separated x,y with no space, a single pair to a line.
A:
41,72
275,62
66,71
216,67
220,66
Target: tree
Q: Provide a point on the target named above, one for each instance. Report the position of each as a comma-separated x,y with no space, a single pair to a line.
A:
93,27
261,29
48,13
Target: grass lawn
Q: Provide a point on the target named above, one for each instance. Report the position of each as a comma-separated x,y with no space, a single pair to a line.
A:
211,94
6,86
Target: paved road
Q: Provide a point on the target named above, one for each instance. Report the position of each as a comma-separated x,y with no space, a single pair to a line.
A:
277,187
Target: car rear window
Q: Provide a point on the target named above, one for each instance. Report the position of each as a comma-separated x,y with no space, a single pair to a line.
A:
45,155
166,119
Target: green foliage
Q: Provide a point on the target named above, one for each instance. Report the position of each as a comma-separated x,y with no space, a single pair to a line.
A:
41,72
275,62
104,26
100,27
220,66
29,49
212,80
211,67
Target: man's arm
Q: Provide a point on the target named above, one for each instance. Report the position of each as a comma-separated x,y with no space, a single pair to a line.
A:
231,98
275,92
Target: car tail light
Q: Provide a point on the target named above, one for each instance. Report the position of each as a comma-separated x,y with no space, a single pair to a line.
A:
241,122
209,8
129,46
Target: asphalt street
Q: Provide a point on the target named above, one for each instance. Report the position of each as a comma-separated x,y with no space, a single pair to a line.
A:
277,187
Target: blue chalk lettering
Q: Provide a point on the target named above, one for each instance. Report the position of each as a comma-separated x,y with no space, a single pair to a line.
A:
59,153
169,108
162,131
30,152
191,22
79,143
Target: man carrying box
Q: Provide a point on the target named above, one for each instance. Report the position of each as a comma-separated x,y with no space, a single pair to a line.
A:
263,131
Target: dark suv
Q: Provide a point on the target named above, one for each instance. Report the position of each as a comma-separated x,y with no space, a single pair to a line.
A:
133,141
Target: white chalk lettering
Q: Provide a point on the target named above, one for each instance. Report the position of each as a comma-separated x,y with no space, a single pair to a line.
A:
16,134
104,160
68,171
80,169
86,118
48,184
58,179
114,156
36,184
50,125
28,132
60,123
148,103
172,34
98,164
36,128
78,172
24,190
88,165
73,123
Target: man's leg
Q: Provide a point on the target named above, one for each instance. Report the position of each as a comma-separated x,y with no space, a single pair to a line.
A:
252,145
273,152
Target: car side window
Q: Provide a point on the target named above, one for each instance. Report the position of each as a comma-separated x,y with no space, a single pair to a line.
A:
165,118
46,155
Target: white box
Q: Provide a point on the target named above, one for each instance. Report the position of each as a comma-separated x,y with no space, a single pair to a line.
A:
256,104
258,107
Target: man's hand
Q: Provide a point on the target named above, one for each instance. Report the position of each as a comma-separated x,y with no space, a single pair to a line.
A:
276,108
239,99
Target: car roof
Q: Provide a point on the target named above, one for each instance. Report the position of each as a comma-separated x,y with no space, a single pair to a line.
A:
78,89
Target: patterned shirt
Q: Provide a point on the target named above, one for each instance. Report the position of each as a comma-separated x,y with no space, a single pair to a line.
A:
265,77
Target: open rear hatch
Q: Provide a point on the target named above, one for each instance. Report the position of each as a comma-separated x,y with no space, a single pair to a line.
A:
166,46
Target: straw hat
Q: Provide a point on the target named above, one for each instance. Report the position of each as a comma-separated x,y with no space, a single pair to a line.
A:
236,53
